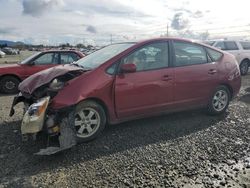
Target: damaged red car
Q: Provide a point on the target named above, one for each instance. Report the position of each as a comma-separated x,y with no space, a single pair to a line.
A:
126,81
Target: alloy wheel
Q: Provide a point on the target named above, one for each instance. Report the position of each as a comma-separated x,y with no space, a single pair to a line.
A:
87,122
220,100
244,68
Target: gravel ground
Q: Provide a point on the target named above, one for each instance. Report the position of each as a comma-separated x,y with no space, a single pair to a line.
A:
187,149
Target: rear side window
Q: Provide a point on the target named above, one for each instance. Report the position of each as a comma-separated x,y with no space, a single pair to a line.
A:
230,45
245,45
189,54
68,57
214,55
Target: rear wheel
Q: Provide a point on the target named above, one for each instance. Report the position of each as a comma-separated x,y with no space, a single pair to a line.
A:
244,67
219,101
9,84
90,120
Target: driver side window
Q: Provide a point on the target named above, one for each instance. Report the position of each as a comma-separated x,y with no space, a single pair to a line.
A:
48,58
149,57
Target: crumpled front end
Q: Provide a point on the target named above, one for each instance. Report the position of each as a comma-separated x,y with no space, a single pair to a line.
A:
38,116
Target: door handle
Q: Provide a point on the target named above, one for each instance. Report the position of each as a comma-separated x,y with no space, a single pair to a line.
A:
212,71
166,78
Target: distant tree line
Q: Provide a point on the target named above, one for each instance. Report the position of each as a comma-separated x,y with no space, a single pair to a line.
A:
67,45
22,46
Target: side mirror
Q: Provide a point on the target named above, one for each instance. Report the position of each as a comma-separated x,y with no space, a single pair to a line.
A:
128,68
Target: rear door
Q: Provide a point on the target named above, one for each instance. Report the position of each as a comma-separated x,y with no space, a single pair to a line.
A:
150,88
196,75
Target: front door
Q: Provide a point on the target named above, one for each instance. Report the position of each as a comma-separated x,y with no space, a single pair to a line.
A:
150,88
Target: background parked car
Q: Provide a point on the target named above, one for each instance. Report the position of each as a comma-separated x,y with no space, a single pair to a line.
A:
2,54
10,51
240,49
11,75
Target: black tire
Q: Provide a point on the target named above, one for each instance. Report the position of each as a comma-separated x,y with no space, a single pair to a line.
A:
9,84
244,67
213,108
99,114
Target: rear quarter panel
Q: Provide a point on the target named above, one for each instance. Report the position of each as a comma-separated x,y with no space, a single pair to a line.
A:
229,73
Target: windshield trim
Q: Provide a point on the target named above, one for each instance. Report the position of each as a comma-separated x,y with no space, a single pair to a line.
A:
28,59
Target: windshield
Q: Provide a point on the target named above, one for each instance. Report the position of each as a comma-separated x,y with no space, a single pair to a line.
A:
29,58
101,56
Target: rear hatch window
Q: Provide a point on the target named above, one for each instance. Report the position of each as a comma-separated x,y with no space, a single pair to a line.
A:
245,45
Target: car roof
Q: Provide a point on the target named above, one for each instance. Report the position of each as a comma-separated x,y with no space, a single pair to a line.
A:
157,39
56,51
61,51
181,40
168,38
172,38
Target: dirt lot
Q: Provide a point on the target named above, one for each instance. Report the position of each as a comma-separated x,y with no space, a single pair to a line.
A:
187,149
16,58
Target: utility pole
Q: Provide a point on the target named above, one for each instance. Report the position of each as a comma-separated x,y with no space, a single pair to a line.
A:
167,31
111,39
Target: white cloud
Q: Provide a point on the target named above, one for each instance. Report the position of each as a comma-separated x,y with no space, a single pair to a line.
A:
57,21
38,7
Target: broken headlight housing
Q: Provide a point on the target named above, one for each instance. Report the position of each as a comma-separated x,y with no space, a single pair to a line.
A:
38,108
56,85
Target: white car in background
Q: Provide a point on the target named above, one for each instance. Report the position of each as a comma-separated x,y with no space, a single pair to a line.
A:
2,54
240,49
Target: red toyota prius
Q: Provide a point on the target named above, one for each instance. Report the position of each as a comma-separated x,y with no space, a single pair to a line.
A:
126,81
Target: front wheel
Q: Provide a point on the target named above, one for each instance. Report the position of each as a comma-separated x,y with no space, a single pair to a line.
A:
90,120
9,85
244,67
219,101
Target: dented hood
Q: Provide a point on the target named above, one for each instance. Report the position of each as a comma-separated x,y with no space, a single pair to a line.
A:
30,84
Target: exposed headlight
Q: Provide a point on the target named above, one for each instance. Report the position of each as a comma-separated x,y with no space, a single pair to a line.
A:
38,108
56,85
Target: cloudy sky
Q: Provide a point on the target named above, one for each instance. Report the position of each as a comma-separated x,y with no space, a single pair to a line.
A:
97,21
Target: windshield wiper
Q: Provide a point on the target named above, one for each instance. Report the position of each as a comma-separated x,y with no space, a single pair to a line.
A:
78,65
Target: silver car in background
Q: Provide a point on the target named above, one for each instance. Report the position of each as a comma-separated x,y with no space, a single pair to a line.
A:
240,49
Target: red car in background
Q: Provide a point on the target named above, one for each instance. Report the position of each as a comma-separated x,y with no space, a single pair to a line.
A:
11,75
126,81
